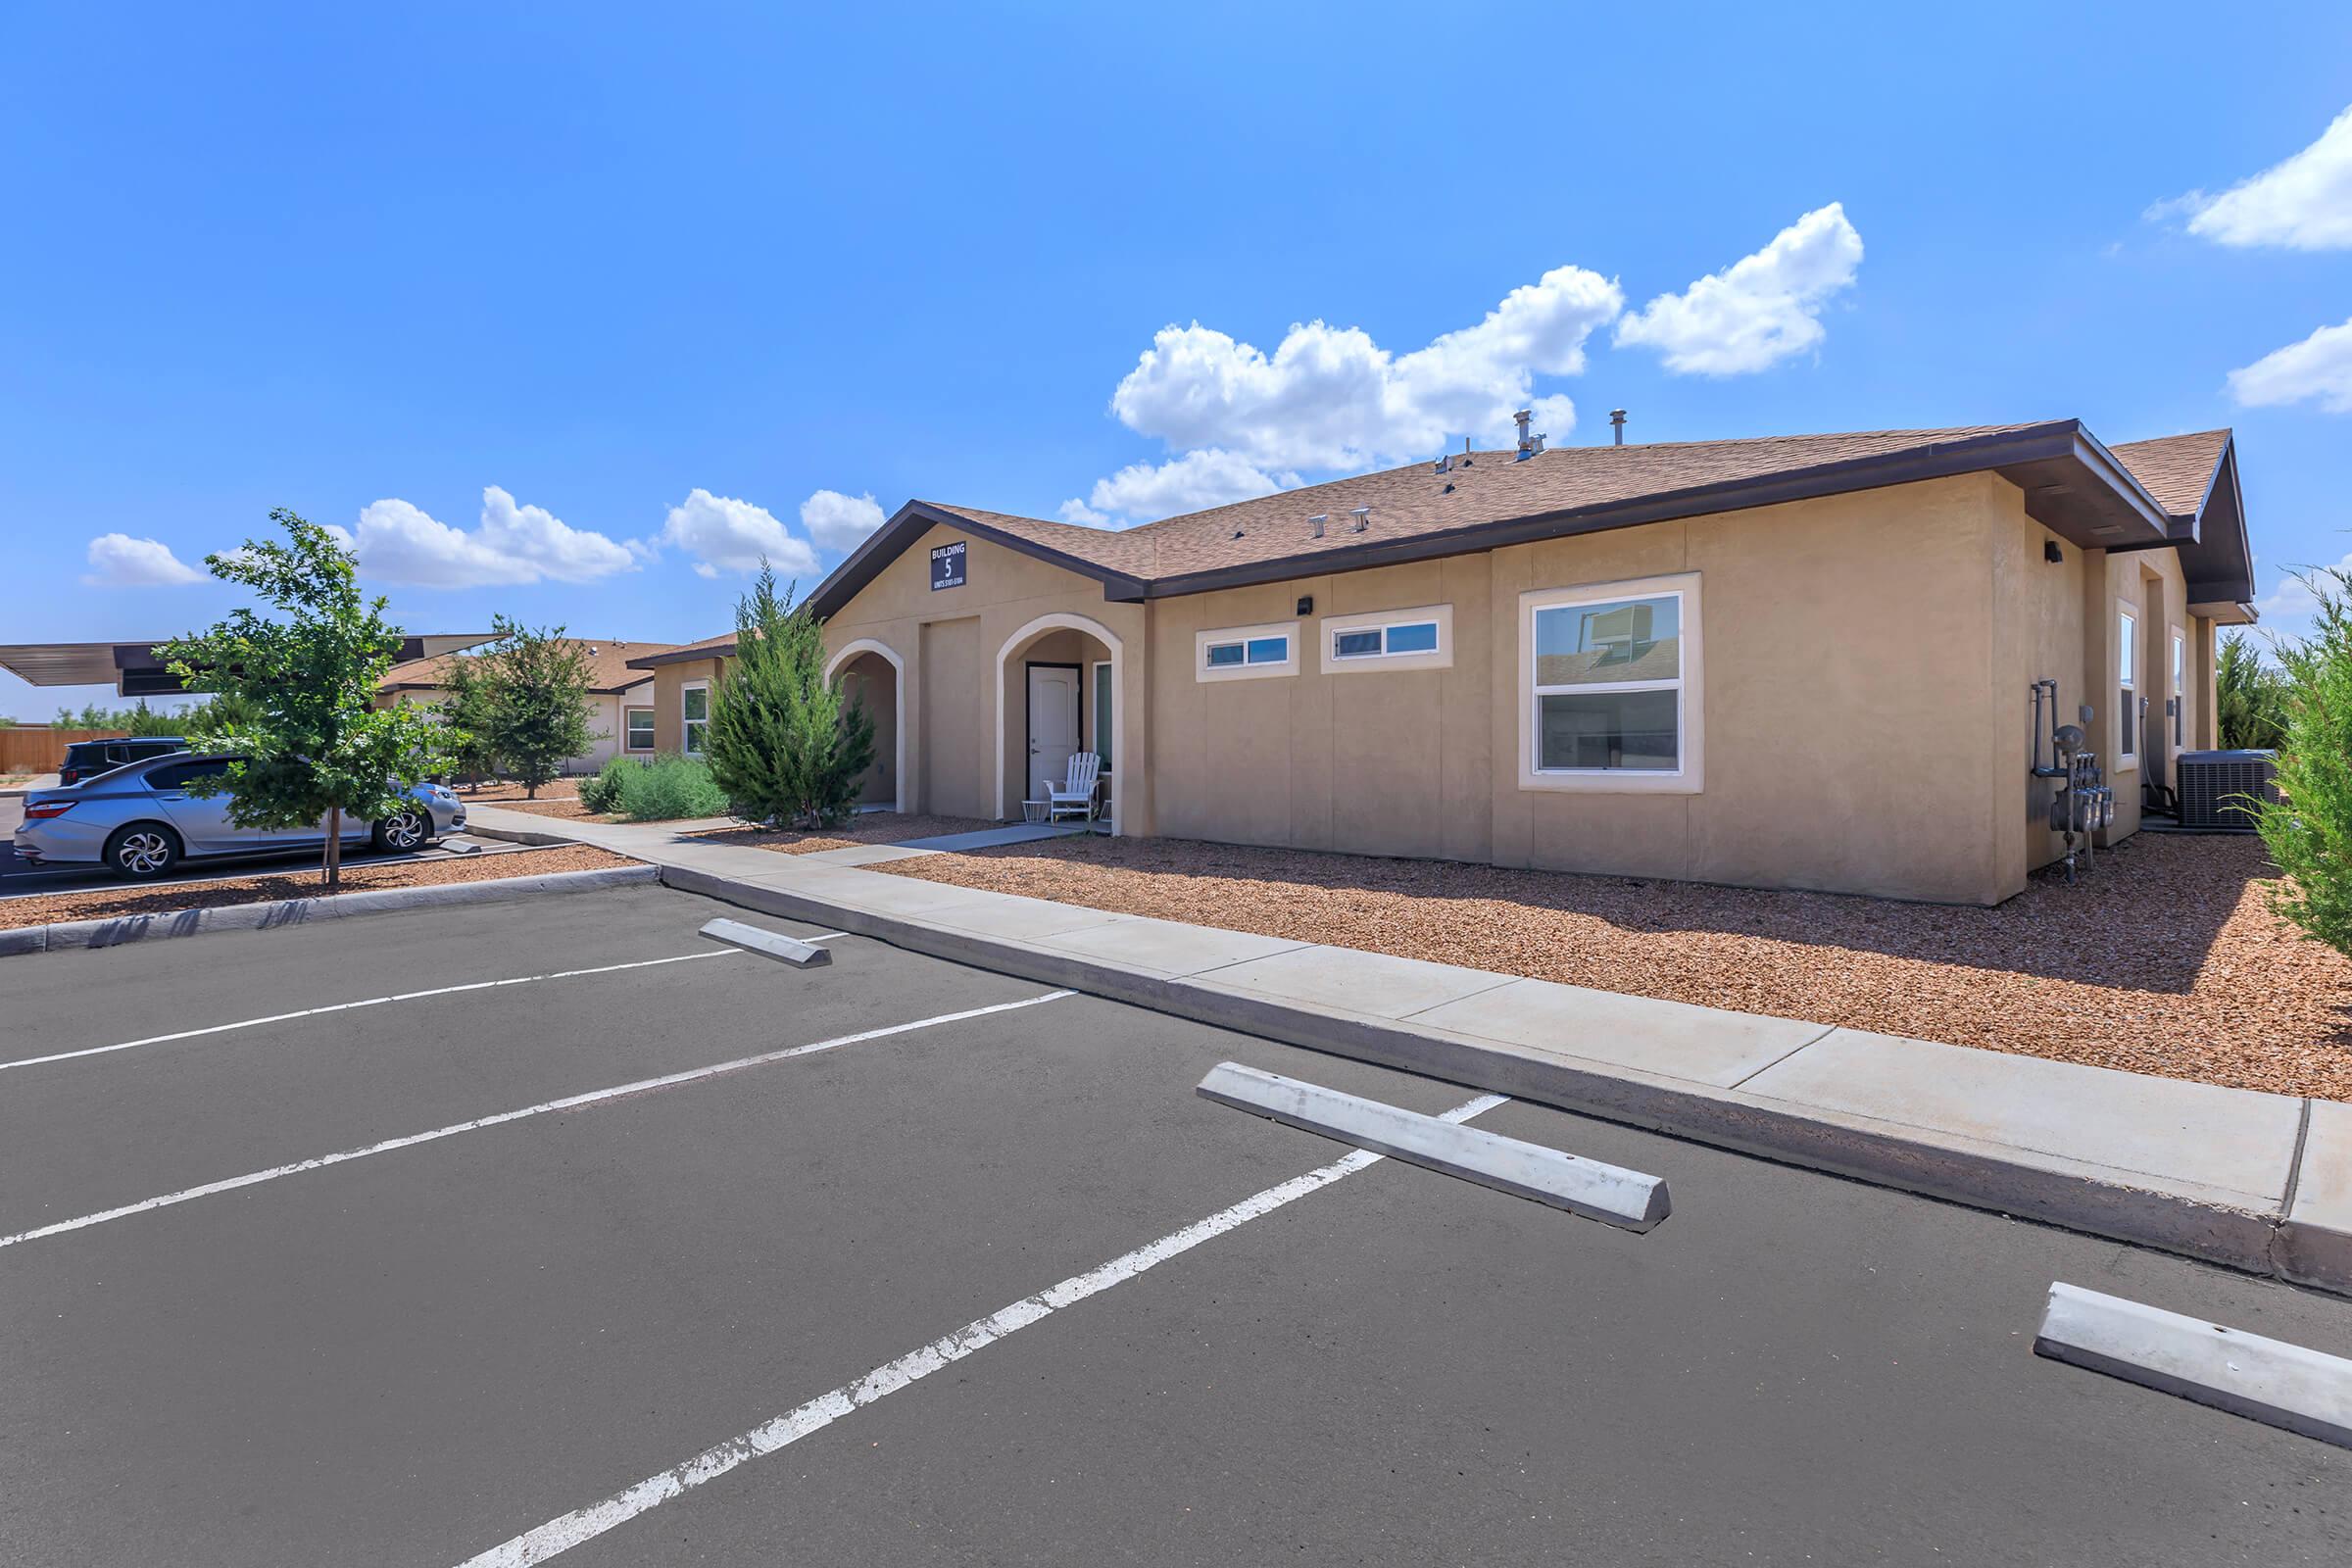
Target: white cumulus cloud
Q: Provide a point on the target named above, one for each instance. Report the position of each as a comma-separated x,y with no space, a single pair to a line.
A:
1245,422
840,522
1193,482
724,534
2303,204
2320,367
1759,310
1330,397
118,561
399,542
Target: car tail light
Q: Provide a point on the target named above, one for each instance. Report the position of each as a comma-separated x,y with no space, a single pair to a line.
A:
42,810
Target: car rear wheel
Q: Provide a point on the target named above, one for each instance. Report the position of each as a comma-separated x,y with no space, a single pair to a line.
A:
143,851
403,830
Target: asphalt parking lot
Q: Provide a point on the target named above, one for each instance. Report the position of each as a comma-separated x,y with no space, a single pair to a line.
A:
513,1338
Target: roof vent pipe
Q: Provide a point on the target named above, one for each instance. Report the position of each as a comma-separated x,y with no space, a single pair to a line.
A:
1529,445
1362,517
1617,426
1466,451
1315,523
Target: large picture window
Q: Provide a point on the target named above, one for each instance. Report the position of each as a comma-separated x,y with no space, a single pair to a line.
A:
1610,676
694,703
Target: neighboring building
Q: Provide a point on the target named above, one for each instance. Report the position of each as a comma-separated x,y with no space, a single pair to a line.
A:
133,669
620,700
1803,662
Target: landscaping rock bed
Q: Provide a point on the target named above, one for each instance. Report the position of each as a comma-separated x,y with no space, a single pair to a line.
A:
2163,958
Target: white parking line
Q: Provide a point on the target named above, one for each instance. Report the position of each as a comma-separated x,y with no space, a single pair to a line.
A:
562,1533
378,1002
567,1102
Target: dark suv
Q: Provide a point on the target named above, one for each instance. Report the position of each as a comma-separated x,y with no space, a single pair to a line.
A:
86,759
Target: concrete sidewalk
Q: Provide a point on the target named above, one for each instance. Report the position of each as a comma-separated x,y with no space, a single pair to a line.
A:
2261,1182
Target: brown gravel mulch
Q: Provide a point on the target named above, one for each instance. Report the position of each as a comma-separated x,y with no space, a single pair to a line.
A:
869,827
2164,959
109,903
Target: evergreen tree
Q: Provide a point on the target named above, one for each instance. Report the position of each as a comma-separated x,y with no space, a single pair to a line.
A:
781,741
2308,829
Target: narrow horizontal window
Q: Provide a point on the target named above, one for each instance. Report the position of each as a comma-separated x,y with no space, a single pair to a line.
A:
1221,654
1356,644
1269,649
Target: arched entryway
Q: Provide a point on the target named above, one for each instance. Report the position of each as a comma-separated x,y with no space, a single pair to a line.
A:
1059,689
873,673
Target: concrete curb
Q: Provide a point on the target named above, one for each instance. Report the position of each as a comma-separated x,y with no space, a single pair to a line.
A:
68,935
2053,1190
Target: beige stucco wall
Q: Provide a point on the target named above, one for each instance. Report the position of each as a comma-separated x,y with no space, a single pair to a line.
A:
1866,706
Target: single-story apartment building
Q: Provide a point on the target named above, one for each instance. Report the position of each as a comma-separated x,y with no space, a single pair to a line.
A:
620,700
1800,662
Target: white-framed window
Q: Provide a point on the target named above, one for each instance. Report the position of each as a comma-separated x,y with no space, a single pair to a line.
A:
2180,689
1247,653
1388,639
694,709
1610,677
2126,687
640,722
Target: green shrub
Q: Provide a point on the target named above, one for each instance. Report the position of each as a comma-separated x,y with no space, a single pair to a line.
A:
2251,696
781,740
2308,829
666,789
600,792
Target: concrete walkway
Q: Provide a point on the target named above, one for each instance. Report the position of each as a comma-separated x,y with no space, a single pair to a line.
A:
2261,1182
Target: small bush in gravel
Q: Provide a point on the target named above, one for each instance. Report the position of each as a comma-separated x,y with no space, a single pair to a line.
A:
2308,829
668,788
600,794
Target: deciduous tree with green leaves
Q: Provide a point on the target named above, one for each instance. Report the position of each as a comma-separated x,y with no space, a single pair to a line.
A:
2309,828
466,717
782,740
537,702
298,689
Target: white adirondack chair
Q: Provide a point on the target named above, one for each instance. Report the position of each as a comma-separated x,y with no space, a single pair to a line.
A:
1074,795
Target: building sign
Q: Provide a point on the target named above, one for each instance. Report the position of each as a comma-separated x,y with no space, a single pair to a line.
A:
946,566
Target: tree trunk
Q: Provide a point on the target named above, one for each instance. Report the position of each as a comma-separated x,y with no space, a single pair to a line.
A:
334,847
530,792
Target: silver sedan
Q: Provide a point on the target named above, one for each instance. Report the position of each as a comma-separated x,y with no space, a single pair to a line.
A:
140,821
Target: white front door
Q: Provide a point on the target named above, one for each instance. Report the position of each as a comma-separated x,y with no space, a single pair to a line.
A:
1053,723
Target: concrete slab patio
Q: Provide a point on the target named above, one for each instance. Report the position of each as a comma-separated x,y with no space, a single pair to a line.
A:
2259,1181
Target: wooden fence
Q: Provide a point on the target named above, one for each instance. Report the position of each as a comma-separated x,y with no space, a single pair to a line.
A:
38,749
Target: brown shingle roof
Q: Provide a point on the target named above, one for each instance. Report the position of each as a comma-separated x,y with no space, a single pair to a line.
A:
2175,468
1415,502
608,666
1416,511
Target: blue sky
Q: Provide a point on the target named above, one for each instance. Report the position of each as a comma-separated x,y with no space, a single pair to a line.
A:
567,312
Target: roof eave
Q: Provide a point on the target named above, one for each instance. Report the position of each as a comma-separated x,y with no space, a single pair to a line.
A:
917,518
2052,447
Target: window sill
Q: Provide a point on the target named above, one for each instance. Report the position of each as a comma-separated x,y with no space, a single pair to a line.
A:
1687,782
